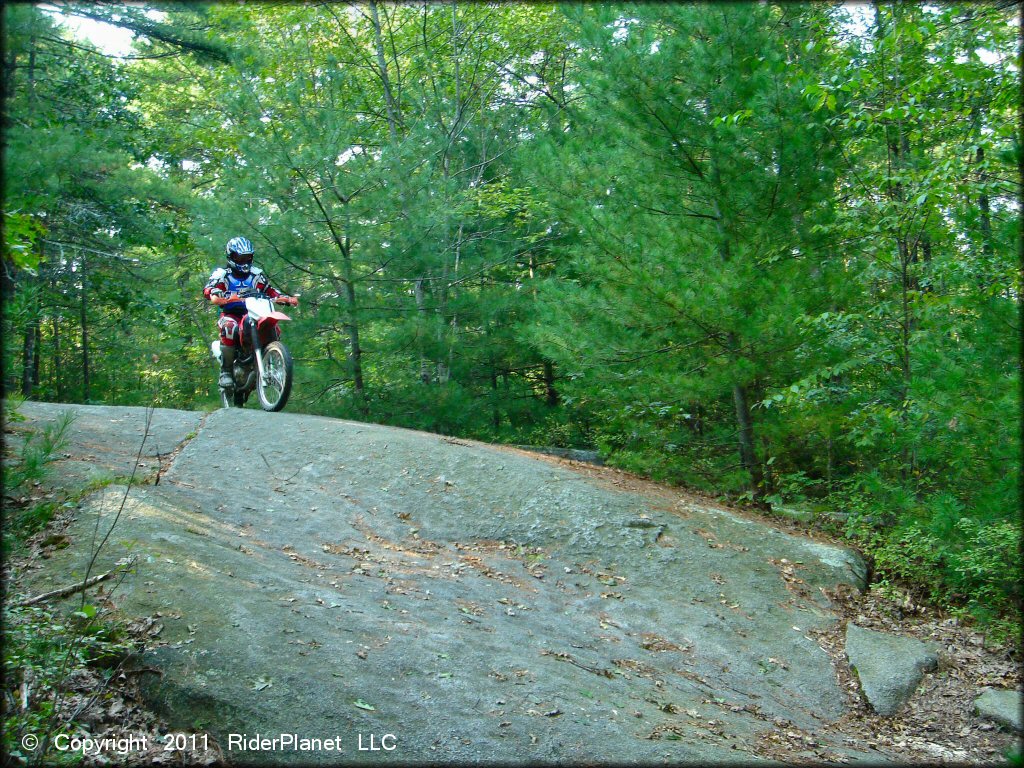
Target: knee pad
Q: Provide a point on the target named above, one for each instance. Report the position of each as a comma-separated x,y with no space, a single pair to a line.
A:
228,330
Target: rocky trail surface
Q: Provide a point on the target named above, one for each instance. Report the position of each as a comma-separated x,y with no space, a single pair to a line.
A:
381,595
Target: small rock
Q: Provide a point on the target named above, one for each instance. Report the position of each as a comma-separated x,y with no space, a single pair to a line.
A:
889,667
1002,706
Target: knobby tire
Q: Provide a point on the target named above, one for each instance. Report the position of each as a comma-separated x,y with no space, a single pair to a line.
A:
277,362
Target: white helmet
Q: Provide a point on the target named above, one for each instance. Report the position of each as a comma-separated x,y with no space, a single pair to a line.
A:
240,252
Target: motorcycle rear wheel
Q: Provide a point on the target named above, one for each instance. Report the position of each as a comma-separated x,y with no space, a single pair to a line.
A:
275,385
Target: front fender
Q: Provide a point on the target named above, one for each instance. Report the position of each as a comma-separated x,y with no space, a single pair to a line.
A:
271,320
266,327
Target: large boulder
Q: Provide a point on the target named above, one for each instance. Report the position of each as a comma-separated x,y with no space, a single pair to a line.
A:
327,578
1002,706
889,667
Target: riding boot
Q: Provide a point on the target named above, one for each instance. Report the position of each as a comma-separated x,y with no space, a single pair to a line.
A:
227,366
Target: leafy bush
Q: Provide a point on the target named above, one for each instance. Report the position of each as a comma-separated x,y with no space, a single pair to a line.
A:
938,549
988,567
914,557
41,652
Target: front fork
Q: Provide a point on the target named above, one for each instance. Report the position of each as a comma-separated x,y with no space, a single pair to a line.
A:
256,348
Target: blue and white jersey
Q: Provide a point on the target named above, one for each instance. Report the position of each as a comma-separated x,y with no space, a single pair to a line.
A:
226,282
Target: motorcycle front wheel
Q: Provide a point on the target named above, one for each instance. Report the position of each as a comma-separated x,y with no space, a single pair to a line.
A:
274,386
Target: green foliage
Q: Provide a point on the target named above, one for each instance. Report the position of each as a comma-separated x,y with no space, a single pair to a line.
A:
928,545
21,233
41,652
987,569
37,450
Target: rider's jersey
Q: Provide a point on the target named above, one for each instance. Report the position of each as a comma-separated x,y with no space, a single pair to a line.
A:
227,282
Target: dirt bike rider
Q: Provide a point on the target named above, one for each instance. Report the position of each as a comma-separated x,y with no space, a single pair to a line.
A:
223,288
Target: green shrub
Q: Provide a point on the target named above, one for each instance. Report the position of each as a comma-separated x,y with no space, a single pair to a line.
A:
38,449
987,568
915,557
937,548
40,652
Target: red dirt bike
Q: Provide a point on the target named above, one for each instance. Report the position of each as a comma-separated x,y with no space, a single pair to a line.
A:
262,362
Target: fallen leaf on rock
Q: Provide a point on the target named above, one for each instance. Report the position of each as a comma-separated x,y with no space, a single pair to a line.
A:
262,684
363,705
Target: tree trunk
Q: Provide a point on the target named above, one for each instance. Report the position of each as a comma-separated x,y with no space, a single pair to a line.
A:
32,75
344,286
421,312
58,383
926,260
38,353
442,284
744,421
84,321
382,65
495,413
985,210
748,455
696,420
551,396
28,360
898,145
355,355
9,71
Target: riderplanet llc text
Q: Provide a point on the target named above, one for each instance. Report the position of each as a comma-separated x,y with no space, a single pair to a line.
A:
292,742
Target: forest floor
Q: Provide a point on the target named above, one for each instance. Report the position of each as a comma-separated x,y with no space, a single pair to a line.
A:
937,726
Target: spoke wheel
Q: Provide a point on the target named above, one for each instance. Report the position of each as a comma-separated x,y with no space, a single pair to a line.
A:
276,383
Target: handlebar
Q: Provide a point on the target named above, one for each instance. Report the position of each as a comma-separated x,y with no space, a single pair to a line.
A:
220,299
